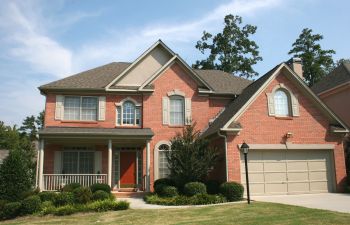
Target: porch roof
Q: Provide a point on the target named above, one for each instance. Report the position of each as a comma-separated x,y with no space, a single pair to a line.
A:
114,133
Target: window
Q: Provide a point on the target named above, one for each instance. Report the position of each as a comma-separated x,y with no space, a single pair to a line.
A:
77,162
177,112
128,114
80,108
163,170
282,104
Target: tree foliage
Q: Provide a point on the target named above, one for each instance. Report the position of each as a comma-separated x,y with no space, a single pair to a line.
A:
190,159
231,50
317,62
31,125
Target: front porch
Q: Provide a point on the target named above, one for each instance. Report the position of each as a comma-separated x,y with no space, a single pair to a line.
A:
117,157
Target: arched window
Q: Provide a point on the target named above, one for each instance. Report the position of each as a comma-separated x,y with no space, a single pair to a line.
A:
163,170
177,110
282,103
128,113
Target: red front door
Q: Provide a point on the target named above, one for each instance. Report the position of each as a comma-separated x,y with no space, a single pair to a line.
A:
127,169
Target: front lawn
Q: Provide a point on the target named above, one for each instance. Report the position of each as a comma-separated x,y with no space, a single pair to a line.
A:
256,213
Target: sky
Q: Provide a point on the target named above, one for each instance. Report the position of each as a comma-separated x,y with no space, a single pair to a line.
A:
43,41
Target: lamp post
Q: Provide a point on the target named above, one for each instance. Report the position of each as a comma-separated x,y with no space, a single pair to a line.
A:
245,149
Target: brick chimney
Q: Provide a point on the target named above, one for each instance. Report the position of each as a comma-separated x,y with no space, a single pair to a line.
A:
297,66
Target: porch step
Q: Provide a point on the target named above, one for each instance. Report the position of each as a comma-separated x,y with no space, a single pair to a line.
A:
128,189
122,194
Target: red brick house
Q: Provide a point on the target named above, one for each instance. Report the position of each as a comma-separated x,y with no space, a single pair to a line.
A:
112,124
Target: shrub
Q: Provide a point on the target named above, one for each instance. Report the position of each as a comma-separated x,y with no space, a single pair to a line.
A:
71,187
28,193
160,183
169,191
121,205
205,199
15,174
65,210
194,188
64,198
100,195
47,196
213,187
47,207
100,187
233,191
199,199
2,204
11,210
31,205
82,195
106,205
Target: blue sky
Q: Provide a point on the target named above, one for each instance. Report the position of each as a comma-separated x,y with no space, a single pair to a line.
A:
42,41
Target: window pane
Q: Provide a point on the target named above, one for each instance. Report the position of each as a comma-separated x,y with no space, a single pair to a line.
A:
86,162
177,111
70,163
281,103
128,113
163,164
138,116
71,108
119,115
89,108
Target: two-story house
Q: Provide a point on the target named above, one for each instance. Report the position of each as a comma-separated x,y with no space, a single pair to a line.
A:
113,123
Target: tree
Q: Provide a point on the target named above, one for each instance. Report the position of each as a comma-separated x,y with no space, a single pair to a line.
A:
316,61
31,125
191,158
16,176
338,63
232,50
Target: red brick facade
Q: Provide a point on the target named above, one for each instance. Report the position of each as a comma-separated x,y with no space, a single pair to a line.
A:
310,127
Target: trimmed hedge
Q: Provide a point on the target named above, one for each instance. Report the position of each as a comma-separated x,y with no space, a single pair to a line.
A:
100,195
199,199
100,187
194,188
31,205
233,191
47,207
47,196
106,205
213,187
64,198
82,195
169,191
71,187
11,210
161,183
64,210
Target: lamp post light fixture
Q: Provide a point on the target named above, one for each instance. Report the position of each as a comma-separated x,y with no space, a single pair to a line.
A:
245,149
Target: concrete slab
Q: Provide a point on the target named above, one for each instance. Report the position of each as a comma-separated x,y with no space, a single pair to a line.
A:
327,201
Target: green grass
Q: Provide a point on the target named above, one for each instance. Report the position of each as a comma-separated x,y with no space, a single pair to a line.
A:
256,213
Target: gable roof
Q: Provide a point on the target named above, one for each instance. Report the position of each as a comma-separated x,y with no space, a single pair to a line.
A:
337,77
93,79
227,120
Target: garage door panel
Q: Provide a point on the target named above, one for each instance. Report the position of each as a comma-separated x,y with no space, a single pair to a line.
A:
298,176
274,166
288,171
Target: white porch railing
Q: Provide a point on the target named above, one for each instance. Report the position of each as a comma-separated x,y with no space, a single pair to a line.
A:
54,182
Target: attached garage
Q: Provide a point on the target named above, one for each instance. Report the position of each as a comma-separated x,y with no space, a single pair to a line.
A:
289,171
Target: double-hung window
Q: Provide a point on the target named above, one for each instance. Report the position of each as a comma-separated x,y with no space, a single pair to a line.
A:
163,161
77,162
80,108
177,110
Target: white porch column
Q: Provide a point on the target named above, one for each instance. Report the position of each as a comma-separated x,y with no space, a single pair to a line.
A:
41,165
109,172
148,166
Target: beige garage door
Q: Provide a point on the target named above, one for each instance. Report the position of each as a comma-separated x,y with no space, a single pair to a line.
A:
288,171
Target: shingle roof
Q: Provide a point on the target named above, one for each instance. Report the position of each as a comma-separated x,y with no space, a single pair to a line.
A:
97,78
222,82
237,104
96,131
338,76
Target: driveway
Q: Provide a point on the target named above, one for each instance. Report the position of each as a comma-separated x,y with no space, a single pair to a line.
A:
328,201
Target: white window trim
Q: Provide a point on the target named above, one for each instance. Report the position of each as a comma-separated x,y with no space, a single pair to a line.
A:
80,108
172,97
156,157
120,104
290,96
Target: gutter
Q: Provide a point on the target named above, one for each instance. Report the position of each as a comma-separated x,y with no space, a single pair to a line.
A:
226,162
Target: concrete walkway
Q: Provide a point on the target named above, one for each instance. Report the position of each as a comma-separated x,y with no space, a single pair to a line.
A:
328,201
138,203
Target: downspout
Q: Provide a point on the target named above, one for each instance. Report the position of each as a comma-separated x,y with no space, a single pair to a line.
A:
226,162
